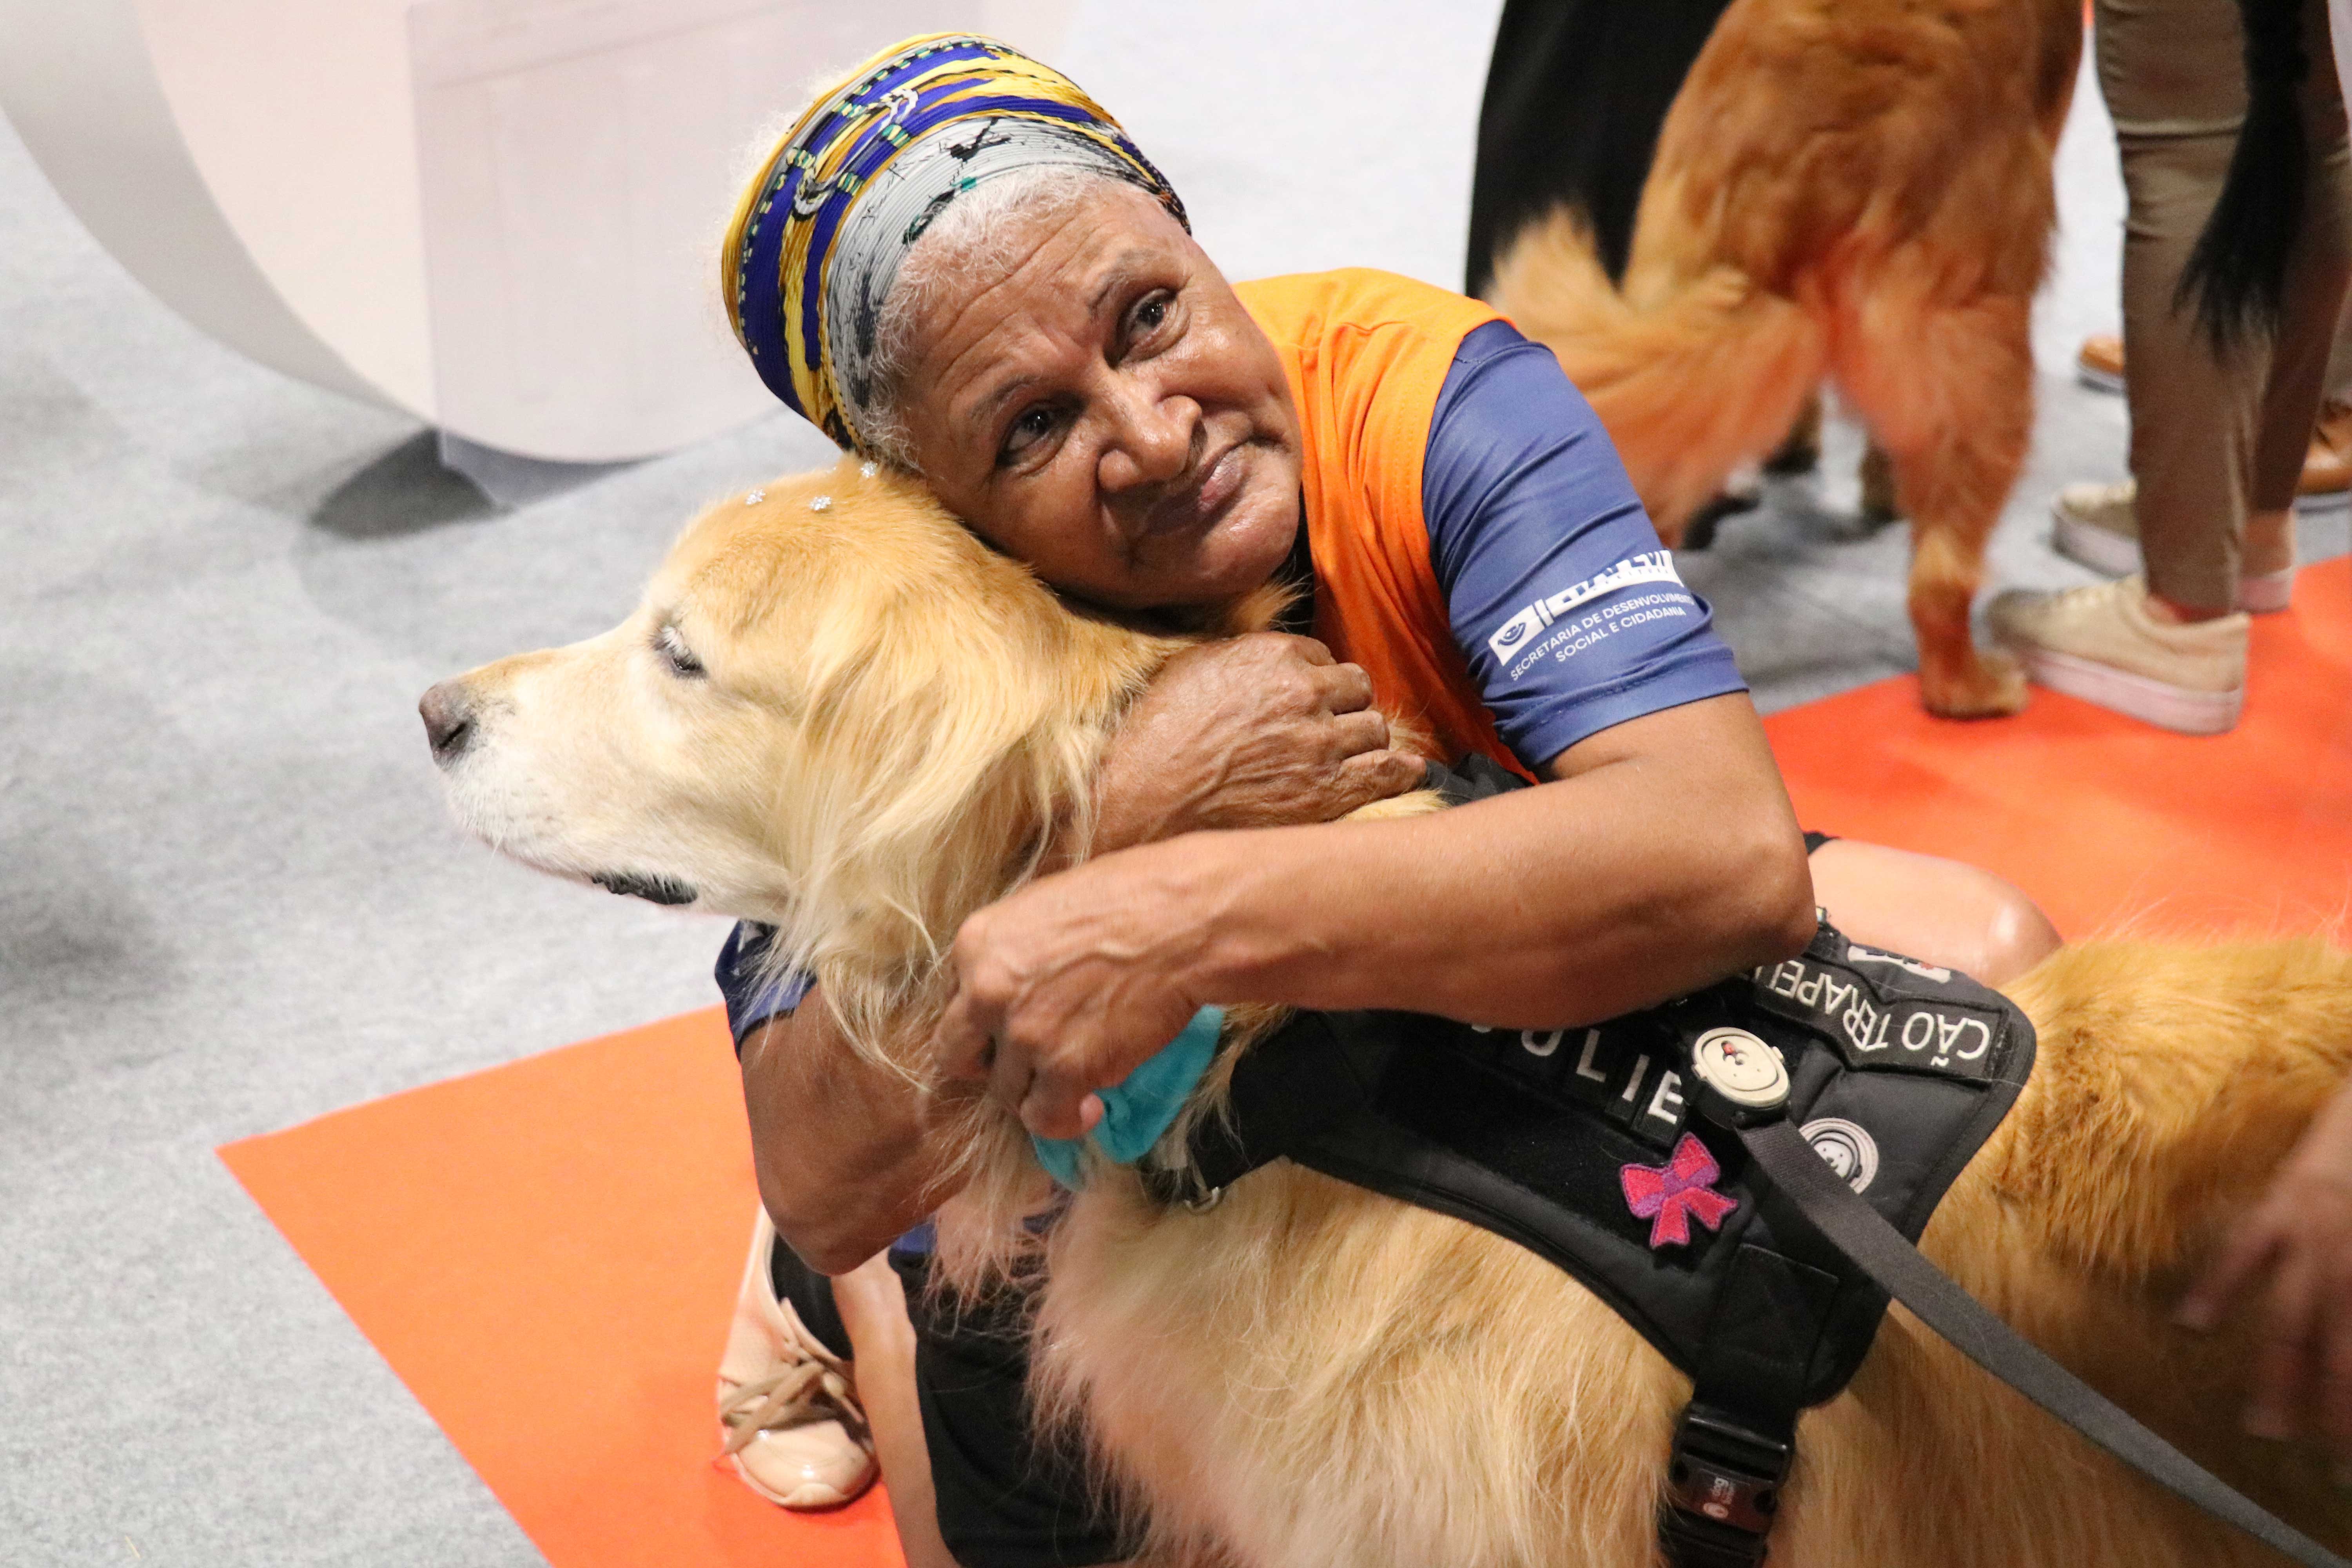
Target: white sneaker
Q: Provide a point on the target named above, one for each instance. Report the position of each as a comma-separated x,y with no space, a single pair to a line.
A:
789,1419
2098,525
2100,643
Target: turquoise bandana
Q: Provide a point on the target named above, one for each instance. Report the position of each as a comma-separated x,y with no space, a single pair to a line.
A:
1141,1105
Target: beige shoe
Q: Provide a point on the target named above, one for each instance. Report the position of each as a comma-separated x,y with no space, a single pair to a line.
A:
2100,643
2098,525
788,1412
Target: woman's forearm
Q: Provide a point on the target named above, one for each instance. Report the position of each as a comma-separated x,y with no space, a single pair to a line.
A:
1663,858
1636,877
846,1150
1482,914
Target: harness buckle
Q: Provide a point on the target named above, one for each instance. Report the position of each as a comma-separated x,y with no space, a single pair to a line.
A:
1183,1187
1723,1489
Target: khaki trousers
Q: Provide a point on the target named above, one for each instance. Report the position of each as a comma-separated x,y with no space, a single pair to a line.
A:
2214,436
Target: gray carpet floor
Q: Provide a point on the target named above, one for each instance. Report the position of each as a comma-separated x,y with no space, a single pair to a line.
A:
229,897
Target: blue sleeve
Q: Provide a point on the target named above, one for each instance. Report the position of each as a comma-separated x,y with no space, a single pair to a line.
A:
750,1000
1566,605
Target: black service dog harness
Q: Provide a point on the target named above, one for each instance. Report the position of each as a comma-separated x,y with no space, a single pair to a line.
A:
1739,1174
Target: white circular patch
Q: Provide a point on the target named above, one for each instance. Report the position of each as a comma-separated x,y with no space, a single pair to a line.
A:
1845,1147
1741,1067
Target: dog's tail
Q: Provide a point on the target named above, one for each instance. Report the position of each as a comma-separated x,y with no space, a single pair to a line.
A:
2236,276
1711,375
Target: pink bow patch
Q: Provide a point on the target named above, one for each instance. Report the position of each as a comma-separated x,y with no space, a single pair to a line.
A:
1669,1195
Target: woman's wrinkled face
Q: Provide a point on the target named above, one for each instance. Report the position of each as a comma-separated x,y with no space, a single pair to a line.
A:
1099,405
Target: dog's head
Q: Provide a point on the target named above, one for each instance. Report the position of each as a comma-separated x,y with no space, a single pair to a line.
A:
835,709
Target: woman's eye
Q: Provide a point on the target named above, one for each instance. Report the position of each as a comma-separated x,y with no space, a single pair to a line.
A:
1032,427
1151,315
678,655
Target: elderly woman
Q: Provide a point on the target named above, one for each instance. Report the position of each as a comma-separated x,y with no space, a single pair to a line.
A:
958,263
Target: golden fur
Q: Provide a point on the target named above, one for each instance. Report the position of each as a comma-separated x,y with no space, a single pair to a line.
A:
1308,1374
1855,189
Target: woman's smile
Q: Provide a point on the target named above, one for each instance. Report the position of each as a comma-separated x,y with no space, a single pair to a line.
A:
1198,506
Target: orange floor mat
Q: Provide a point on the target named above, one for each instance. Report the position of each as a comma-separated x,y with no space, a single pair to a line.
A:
546,1252
2109,823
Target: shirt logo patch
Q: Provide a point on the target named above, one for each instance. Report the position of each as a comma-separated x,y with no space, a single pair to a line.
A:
1652,566
1673,1195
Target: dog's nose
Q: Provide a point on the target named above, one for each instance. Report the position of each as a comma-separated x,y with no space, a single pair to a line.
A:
448,713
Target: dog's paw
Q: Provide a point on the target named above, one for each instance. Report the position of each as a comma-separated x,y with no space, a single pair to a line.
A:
1990,686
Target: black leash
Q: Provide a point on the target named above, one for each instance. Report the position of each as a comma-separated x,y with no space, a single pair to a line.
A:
1855,1229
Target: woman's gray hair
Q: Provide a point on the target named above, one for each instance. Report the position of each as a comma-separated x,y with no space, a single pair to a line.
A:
978,232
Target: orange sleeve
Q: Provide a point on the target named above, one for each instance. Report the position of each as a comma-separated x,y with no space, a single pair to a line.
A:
1367,354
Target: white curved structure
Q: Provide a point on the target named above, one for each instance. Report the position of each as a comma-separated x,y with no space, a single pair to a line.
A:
496,214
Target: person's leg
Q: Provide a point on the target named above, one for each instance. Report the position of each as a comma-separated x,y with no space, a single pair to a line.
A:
873,1307
810,1296
2169,646
2217,434
2317,269
2173,75
1942,912
983,1487
2194,410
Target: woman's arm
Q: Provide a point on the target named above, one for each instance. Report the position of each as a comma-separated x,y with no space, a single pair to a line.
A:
1264,729
844,1149
1664,856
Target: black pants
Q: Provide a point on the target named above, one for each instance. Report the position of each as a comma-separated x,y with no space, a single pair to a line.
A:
1575,95
1009,1496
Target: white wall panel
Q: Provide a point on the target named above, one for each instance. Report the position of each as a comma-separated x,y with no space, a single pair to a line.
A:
499,214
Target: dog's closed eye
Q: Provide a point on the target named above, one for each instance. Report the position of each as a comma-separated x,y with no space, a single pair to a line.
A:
679,658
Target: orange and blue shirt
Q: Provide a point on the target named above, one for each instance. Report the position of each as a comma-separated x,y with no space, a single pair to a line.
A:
1476,545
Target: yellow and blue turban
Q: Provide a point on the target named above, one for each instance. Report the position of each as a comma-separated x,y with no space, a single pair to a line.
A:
820,233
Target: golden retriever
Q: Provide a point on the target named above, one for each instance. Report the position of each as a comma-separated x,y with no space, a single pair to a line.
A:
838,712
1855,189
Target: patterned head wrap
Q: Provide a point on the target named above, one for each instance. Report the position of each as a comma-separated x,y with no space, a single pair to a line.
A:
820,235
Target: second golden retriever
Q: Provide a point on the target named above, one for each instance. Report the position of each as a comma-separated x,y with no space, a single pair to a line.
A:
1851,190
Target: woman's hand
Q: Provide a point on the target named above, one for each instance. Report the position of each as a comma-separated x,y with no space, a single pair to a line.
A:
2300,1236
1071,983
1257,732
